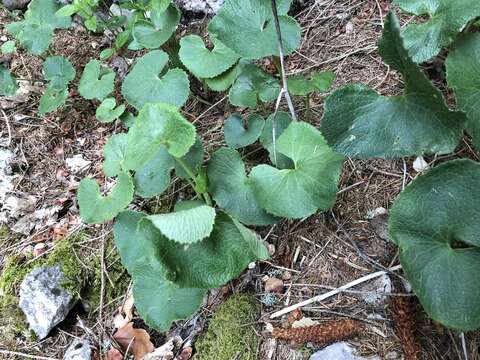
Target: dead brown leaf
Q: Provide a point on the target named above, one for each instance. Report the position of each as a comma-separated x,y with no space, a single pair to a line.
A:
135,341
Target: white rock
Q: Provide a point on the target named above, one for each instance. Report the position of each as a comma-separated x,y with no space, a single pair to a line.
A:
79,349
77,163
377,290
339,351
6,157
201,6
420,165
43,300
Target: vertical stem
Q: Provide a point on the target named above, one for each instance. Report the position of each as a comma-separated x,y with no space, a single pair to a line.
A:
191,181
282,61
307,107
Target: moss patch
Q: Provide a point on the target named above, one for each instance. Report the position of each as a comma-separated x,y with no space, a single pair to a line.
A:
230,333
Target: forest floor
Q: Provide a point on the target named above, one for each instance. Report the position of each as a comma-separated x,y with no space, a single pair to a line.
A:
312,256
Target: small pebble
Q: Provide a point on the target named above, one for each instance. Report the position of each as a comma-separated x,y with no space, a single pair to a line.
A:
274,285
39,249
287,275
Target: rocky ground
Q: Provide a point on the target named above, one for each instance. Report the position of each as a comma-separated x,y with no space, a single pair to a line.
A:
46,249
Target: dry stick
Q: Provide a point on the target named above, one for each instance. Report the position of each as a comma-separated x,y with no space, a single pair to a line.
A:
8,128
8,352
325,296
464,345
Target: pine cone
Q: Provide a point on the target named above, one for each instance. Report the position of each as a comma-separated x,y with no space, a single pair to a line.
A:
321,334
404,320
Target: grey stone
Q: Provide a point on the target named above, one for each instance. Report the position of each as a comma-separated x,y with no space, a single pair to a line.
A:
339,351
377,291
15,4
200,6
43,299
79,349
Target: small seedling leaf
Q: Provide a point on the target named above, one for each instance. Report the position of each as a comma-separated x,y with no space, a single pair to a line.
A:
8,84
108,111
236,136
97,81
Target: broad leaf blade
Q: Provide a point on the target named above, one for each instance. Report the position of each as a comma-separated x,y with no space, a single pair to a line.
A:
232,190
186,226
463,75
236,136
108,110
95,208
282,121
362,124
143,84
428,219
153,178
52,99
8,84
114,153
58,71
311,185
97,81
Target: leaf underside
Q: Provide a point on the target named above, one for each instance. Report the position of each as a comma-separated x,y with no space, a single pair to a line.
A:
236,136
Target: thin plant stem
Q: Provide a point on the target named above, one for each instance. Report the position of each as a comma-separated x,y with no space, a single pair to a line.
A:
191,180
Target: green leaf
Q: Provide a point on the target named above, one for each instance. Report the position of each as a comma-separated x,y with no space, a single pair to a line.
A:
153,178
186,226
359,123
232,190
159,6
253,85
52,99
202,62
282,121
58,71
301,86
223,81
209,263
114,153
107,53
159,301
143,84
436,221
193,158
107,111
36,30
95,208
67,10
311,185
8,84
463,75
157,125
97,81
152,35
446,19
8,47
127,119
247,27
236,136
91,23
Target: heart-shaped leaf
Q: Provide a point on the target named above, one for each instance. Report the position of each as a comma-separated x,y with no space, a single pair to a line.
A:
52,99
159,301
463,75
95,208
223,81
253,85
301,85
312,183
8,84
362,124
143,84
114,153
153,178
436,221
36,30
202,62
247,27
232,190
109,111
97,81
236,136
211,262
58,71
152,35
446,19
157,125
282,121
8,47
186,226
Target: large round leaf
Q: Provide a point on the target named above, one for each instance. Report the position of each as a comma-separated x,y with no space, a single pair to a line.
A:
157,125
144,84
202,62
312,183
446,19
232,189
247,27
359,123
186,226
58,71
97,81
159,301
95,208
436,223
463,75
209,263
153,34
253,85
237,136
114,153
